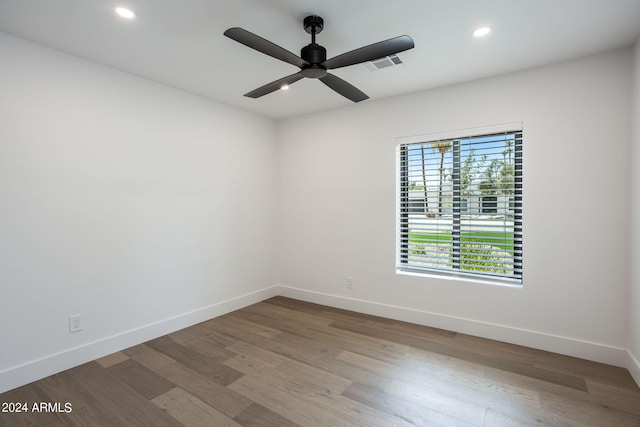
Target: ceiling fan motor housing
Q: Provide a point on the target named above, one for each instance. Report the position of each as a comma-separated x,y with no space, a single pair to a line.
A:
314,54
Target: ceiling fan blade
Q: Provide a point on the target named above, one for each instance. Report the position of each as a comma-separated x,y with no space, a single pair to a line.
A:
371,52
264,46
343,88
273,86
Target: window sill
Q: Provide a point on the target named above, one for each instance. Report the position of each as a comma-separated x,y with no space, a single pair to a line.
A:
460,278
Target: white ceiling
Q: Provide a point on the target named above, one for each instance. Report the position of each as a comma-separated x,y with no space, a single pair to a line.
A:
180,42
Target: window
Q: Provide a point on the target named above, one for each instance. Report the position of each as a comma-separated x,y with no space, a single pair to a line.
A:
460,205
489,204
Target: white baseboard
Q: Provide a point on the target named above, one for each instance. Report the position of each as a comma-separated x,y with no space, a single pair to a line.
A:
558,344
36,369
633,365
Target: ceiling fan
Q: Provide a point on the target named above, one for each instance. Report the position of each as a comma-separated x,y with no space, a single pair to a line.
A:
313,62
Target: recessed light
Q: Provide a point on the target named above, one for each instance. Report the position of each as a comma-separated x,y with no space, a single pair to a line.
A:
284,87
481,32
125,13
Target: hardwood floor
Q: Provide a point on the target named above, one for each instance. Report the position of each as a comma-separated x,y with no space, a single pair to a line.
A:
284,363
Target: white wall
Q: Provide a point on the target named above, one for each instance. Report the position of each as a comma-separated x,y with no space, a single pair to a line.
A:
119,200
634,297
337,177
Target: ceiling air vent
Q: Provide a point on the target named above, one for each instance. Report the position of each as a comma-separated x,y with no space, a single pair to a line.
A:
378,64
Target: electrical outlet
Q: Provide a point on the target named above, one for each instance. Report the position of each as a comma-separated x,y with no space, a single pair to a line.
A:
349,282
75,323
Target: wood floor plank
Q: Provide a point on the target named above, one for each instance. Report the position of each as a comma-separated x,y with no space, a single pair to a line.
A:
253,327
209,330
149,357
322,354
229,327
88,409
298,305
303,348
206,366
494,418
213,394
333,340
285,404
424,332
320,408
193,341
141,379
405,409
389,370
112,359
191,411
620,398
338,338
297,376
431,394
599,372
300,353
287,363
549,392
279,312
459,394
118,398
252,360
586,411
355,342
487,391
566,380
281,324
259,416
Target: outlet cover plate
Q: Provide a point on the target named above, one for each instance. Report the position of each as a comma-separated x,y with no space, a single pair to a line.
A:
75,324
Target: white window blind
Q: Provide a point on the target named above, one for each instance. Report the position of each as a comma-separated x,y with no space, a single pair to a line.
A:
460,206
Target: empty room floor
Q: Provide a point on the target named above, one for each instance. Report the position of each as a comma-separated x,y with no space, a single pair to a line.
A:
284,362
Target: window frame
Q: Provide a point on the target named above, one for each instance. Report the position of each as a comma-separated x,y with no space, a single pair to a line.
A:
404,203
